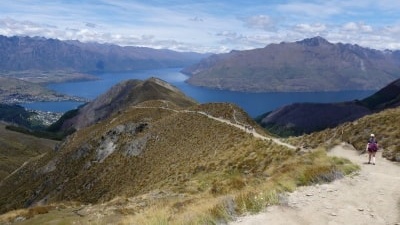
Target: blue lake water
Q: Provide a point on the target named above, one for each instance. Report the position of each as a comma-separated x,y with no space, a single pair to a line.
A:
253,103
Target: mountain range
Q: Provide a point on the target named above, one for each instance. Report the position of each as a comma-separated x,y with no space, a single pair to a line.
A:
41,54
313,64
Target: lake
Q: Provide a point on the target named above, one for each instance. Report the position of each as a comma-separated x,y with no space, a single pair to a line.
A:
253,103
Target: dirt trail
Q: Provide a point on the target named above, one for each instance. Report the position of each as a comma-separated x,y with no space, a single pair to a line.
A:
371,197
237,125
22,166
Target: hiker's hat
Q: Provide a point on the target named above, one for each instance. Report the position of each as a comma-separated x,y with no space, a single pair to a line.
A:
372,135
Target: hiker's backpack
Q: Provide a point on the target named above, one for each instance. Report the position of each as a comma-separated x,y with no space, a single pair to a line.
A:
372,145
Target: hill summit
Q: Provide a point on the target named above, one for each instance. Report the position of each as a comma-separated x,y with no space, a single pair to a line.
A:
118,98
313,64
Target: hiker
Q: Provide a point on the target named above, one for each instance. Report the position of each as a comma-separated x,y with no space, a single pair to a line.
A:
372,148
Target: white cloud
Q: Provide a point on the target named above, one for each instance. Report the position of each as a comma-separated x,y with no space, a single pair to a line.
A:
310,28
260,22
10,27
356,27
351,26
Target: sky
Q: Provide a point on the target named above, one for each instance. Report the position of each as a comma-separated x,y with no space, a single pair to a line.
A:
205,25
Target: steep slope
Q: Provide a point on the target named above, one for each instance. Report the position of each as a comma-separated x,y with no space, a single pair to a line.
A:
300,118
17,148
309,65
153,145
121,96
26,53
387,97
383,124
15,114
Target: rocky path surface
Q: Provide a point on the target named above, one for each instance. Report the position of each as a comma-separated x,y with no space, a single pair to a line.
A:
370,197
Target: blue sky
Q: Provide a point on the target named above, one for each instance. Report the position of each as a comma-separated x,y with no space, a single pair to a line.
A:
205,26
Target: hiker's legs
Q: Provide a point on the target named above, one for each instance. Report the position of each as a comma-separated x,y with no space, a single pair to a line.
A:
369,157
373,157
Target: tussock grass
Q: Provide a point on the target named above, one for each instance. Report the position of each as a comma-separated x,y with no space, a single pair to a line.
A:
315,167
25,213
242,193
206,172
253,201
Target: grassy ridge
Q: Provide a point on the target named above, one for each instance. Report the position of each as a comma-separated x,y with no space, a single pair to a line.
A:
193,170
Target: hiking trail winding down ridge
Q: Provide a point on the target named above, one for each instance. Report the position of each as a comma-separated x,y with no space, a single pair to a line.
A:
243,127
370,197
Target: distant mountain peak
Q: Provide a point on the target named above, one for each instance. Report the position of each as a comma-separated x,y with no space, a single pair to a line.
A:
315,41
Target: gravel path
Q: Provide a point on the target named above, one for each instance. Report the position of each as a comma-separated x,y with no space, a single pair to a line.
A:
371,197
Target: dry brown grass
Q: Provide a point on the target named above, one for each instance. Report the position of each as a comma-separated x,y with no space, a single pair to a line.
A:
255,196
244,192
207,171
25,213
